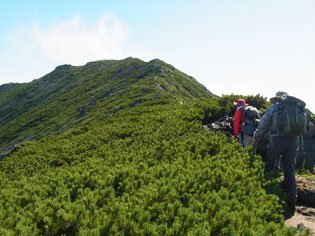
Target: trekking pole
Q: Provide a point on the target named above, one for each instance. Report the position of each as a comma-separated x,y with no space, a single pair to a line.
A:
242,138
278,163
302,143
255,146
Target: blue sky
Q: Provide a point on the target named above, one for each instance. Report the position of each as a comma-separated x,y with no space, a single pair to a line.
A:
230,46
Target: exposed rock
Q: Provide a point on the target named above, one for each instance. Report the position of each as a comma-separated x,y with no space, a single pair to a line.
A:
145,90
7,87
164,87
303,219
306,190
136,102
189,90
306,155
307,212
301,227
14,147
81,111
92,102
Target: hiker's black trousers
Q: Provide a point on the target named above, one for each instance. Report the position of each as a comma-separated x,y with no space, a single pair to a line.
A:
287,147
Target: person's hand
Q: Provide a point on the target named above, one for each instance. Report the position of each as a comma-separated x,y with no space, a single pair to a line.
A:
235,137
255,136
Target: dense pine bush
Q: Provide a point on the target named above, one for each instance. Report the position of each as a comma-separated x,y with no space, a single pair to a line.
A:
149,170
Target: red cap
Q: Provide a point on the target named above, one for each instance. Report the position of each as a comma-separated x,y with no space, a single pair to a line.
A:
240,102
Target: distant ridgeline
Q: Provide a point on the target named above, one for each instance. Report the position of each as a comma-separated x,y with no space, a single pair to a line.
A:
118,147
71,95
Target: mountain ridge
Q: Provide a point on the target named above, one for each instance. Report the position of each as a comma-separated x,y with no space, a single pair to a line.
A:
70,95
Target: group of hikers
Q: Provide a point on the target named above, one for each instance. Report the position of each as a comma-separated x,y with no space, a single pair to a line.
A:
284,122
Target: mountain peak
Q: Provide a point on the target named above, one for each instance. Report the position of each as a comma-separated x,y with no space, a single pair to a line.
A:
71,95
60,67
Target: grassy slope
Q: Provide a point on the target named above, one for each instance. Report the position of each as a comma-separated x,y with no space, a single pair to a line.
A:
71,95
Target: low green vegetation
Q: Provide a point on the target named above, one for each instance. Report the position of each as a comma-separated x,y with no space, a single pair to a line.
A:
73,95
119,148
147,170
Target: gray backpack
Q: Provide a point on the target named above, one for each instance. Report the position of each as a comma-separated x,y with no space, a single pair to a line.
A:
289,118
252,118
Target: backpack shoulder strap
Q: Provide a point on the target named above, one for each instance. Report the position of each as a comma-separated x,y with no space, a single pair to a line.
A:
243,112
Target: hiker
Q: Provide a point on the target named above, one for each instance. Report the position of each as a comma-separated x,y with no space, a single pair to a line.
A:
284,139
244,138
245,118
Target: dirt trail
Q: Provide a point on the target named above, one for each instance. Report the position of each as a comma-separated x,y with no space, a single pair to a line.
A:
304,216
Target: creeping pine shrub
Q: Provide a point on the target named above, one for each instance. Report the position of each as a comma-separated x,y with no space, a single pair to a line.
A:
151,170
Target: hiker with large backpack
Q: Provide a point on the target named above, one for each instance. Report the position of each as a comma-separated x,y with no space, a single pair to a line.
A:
246,120
286,121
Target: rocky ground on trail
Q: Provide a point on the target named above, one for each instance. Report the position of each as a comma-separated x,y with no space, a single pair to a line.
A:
306,189
304,216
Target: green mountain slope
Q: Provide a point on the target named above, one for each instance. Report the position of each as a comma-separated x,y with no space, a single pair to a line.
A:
148,170
119,148
71,95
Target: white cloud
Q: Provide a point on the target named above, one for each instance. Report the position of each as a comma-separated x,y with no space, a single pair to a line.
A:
32,50
75,42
